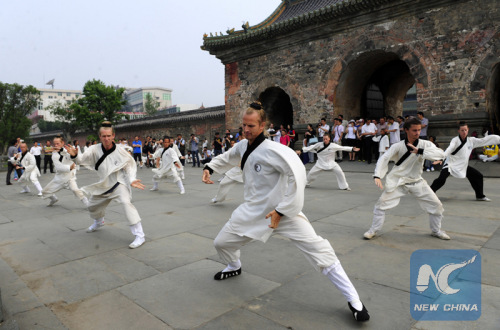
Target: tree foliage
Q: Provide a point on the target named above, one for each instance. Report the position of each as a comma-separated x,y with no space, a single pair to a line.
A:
151,105
97,104
16,103
65,116
48,126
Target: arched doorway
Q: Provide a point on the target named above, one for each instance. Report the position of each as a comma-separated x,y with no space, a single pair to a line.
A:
277,105
493,99
373,85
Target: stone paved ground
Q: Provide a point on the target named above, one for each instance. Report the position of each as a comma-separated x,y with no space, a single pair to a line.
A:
54,275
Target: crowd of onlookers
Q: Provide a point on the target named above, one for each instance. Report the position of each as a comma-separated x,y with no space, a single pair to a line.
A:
372,135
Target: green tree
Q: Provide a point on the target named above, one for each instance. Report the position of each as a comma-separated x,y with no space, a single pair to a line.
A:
97,103
16,102
48,126
151,105
66,117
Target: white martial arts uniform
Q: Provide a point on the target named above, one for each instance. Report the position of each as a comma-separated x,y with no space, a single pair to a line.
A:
457,163
116,172
231,177
31,172
274,179
167,167
65,177
406,177
326,162
179,155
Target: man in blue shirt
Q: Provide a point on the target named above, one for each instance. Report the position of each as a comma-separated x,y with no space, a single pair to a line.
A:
194,150
137,145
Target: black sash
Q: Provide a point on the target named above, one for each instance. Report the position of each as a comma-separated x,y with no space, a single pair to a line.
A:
460,146
325,146
408,152
104,155
251,147
22,157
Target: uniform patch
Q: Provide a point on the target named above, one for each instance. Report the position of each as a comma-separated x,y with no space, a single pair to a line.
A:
257,167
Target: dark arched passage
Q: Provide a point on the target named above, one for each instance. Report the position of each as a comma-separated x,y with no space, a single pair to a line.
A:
277,106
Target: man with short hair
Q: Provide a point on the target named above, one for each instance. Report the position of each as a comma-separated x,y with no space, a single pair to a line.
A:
195,154
36,151
401,121
274,180
338,131
323,128
166,160
406,178
456,160
181,145
425,125
137,145
368,131
217,144
393,130
117,173
47,159
11,152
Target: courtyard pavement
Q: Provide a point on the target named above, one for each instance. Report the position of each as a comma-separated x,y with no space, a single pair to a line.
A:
54,275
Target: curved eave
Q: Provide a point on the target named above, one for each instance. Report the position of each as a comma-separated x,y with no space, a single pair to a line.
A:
340,10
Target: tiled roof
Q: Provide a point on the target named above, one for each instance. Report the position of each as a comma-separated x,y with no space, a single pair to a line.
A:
297,8
290,15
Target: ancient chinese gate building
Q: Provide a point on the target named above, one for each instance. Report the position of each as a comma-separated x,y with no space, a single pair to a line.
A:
314,58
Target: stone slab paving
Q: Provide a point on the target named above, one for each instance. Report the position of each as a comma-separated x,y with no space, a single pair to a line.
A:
54,275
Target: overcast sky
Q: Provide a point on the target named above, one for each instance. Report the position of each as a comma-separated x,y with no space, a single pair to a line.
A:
121,42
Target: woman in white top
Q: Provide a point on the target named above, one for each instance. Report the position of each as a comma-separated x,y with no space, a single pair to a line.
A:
350,139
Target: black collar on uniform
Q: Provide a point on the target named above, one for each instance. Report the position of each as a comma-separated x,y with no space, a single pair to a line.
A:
408,151
60,156
462,143
324,147
251,147
104,155
23,156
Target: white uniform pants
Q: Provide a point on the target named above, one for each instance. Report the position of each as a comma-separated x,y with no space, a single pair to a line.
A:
98,204
224,187
316,249
426,198
314,172
157,178
52,187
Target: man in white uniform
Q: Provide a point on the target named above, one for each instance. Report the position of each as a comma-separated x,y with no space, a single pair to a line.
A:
274,180
166,163
117,171
65,174
406,178
27,162
457,160
326,160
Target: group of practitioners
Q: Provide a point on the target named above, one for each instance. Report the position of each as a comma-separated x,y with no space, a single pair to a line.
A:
274,181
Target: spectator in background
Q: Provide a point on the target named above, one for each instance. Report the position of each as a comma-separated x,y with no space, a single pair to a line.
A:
291,134
350,139
137,145
227,140
87,145
368,131
237,136
338,134
181,145
393,130
310,137
284,138
11,152
490,153
323,128
195,155
271,131
207,156
425,125
47,158
36,151
400,120
217,144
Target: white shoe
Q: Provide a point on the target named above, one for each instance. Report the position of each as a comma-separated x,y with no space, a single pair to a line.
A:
182,176
213,200
154,189
369,234
96,225
348,189
483,199
308,185
25,190
53,200
138,241
40,194
427,170
441,234
182,192
432,169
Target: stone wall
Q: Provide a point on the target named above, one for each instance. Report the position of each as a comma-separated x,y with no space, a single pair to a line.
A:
449,49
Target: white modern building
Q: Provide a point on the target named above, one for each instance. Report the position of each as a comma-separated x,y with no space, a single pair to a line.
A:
50,97
136,98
